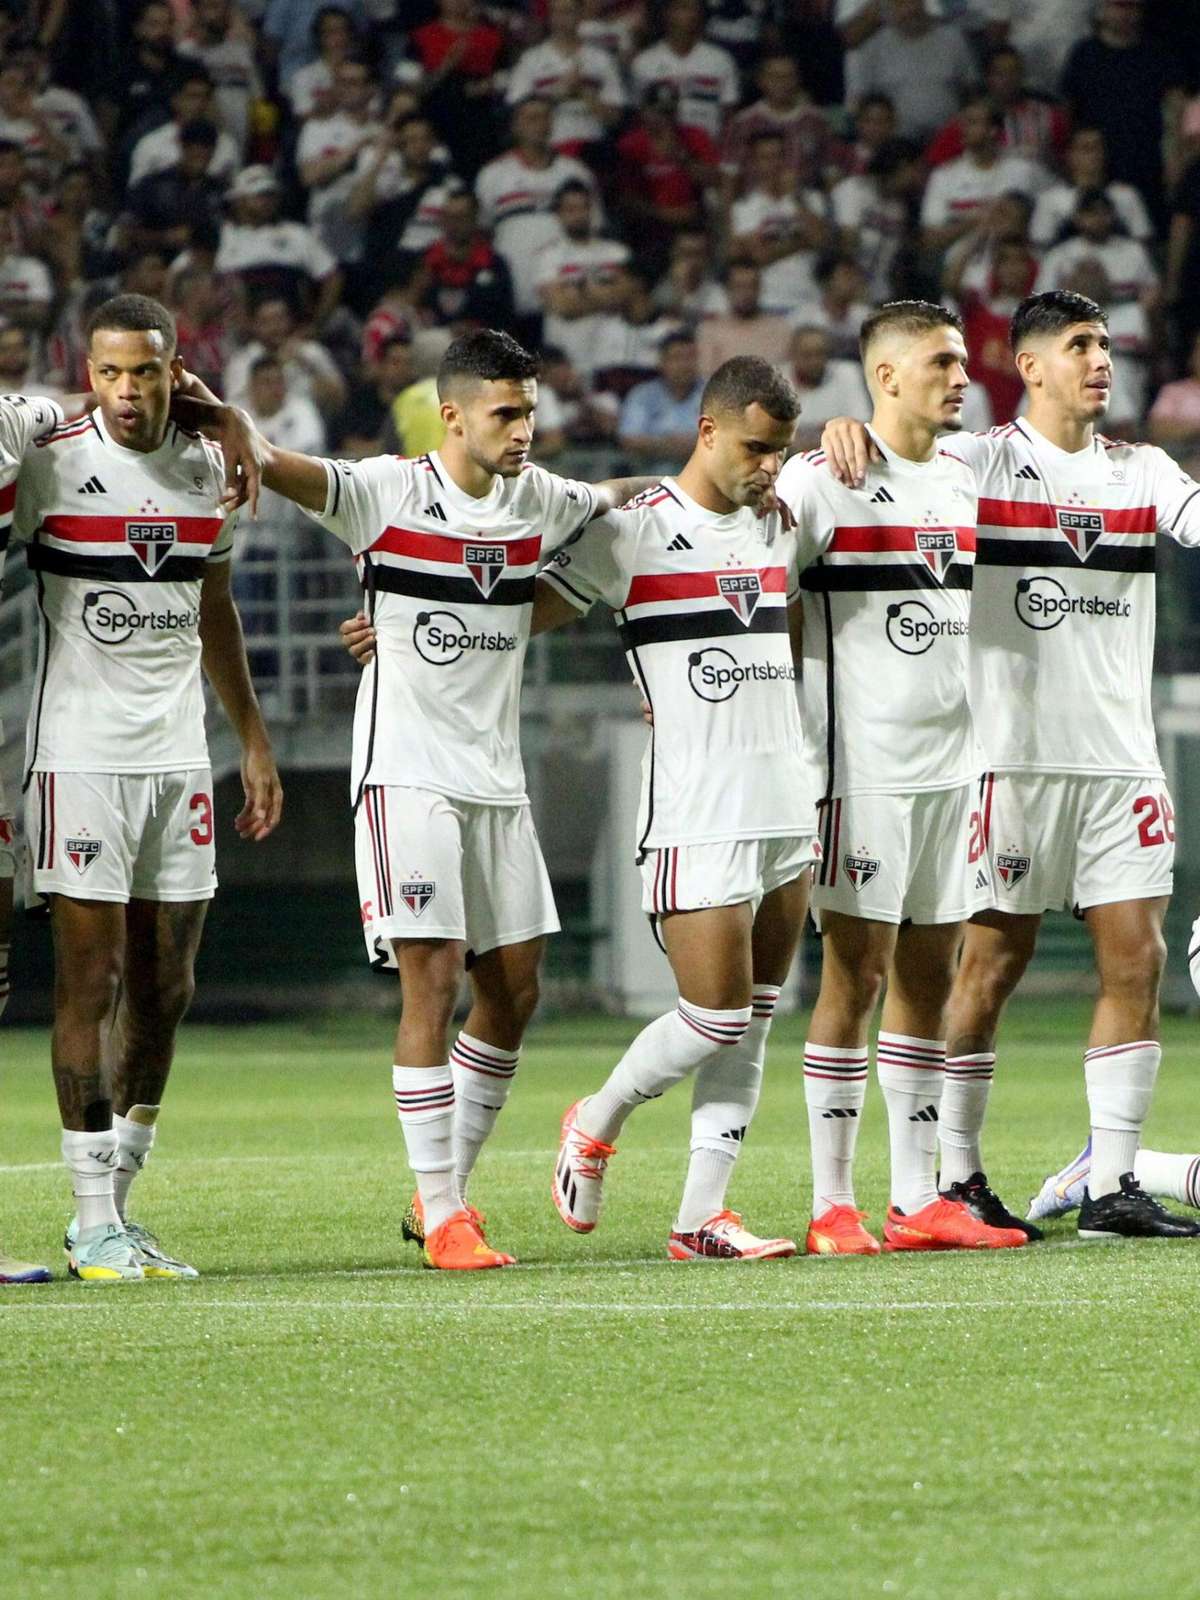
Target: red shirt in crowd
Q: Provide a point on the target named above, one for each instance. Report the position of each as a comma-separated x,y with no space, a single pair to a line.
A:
659,173
481,50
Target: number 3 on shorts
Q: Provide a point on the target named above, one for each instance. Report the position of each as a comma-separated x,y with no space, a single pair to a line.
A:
200,806
1156,820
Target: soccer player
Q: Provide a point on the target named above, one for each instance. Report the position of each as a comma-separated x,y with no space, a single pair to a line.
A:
885,607
123,514
700,584
1076,813
448,860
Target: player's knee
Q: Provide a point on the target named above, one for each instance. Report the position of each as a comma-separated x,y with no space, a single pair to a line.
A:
87,988
860,986
1137,968
521,1001
173,998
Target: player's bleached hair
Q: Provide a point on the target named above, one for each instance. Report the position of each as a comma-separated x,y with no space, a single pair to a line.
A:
1041,316
913,317
133,313
746,381
484,356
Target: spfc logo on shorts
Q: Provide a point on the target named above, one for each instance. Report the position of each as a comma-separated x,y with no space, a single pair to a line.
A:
151,542
938,546
82,852
742,591
485,563
860,870
1011,869
416,896
1081,529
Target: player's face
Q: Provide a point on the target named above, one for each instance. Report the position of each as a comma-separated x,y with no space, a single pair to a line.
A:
745,452
495,422
132,376
930,378
1073,369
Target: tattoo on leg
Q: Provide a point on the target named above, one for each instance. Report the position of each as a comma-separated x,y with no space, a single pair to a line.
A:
84,1099
154,997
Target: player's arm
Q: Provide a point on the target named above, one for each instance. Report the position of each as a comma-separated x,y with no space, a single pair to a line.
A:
223,656
195,406
615,492
1176,501
849,450
551,609
795,622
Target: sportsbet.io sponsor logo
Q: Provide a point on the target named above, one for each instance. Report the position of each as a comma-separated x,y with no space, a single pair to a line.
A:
441,638
1042,603
912,627
110,618
715,675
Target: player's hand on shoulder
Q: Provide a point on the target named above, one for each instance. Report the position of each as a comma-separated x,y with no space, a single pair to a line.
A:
358,636
264,794
241,450
849,450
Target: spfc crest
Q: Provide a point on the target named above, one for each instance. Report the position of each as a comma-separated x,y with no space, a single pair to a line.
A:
485,563
416,896
82,852
151,542
742,591
1011,869
1081,529
938,546
860,870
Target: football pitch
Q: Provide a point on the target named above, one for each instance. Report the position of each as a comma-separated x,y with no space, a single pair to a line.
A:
320,1417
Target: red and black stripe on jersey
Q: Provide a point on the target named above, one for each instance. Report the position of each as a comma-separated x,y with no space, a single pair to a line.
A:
642,620
96,546
856,575
435,566
1133,526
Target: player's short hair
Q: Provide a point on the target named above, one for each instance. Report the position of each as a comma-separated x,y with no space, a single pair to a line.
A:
1041,316
133,313
484,356
746,381
906,316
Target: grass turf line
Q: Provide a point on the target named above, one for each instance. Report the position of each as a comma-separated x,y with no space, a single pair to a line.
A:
320,1418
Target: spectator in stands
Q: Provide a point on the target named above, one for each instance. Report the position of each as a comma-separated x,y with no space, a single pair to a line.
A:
140,93
223,43
987,313
874,126
569,409
192,101
666,170
18,370
19,200
416,425
468,284
841,306
460,53
1033,126
629,339
658,418
578,278
1087,168
398,312
703,75
779,227
308,368
360,427
811,152
1174,416
327,154
581,82
614,26
516,195
873,212
291,28
201,326
26,287
401,184
77,231
958,191
689,287
1129,330
67,113
272,256
312,88
827,388
1117,81
1131,273
923,66
23,122
1182,283
1043,32
746,329
163,209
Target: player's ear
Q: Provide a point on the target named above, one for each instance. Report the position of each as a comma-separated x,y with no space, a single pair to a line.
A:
707,429
451,416
1027,365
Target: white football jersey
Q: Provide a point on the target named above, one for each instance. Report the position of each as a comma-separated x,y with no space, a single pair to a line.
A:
1062,637
701,607
448,582
887,597
119,541
23,418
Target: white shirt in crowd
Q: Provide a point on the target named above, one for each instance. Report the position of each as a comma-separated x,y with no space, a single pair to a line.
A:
706,77
543,69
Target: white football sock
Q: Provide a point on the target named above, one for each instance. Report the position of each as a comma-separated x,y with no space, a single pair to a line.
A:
724,1098
5,949
835,1087
910,1073
665,1051
91,1159
483,1077
425,1106
1169,1177
1120,1081
135,1140
961,1113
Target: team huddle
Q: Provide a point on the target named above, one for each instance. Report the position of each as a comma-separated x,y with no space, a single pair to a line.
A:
902,682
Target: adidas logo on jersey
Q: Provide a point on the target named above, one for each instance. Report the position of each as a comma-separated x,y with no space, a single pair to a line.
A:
679,543
882,498
435,510
1028,472
92,486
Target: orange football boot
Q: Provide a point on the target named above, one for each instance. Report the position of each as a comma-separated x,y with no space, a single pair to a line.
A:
459,1246
412,1227
839,1231
945,1225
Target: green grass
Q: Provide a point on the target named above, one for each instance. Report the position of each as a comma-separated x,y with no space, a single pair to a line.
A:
319,1418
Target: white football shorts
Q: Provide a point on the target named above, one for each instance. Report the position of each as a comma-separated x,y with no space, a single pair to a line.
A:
116,836
8,851
1069,841
691,877
903,857
431,867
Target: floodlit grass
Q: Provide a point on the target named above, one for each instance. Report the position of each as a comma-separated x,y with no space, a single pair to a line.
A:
319,1417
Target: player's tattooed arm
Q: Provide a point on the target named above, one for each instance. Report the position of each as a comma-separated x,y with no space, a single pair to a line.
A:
849,450
614,492
223,655
550,610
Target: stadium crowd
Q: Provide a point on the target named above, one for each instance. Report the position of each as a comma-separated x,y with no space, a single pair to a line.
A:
326,194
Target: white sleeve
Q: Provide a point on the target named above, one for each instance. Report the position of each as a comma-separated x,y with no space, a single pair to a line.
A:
320,261
935,212
222,545
612,90
731,92
363,497
485,185
1176,499
24,418
590,569
800,490
520,82
567,507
